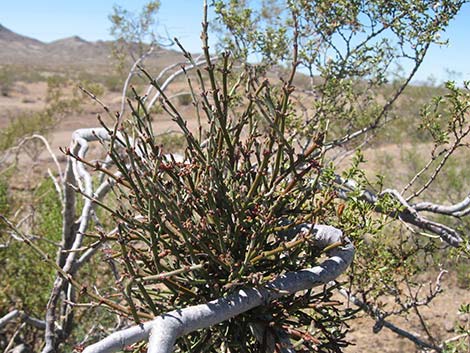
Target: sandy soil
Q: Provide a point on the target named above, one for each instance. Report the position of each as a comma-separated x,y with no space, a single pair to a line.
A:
441,316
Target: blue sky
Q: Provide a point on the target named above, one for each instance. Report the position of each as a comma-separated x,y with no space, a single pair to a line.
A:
48,20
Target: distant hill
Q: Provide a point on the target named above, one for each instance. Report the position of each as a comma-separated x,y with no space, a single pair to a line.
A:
8,36
68,53
17,48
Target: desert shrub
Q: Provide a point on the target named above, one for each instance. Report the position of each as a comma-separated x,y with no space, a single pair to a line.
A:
48,210
405,127
41,122
132,33
156,109
462,343
59,101
23,272
94,88
4,206
463,275
25,73
172,142
25,124
113,83
6,81
25,276
184,98
31,75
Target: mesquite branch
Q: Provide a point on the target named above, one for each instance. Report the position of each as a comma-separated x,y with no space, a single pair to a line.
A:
409,213
165,329
73,232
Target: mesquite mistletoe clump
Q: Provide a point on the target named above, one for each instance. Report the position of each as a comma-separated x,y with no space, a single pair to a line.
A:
233,212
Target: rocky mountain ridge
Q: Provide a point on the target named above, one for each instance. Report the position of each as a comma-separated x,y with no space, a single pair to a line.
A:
72,52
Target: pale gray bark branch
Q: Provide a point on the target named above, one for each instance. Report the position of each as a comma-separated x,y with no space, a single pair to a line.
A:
458,210
177,73
22,316
163,73
408,213
132,72
73,231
